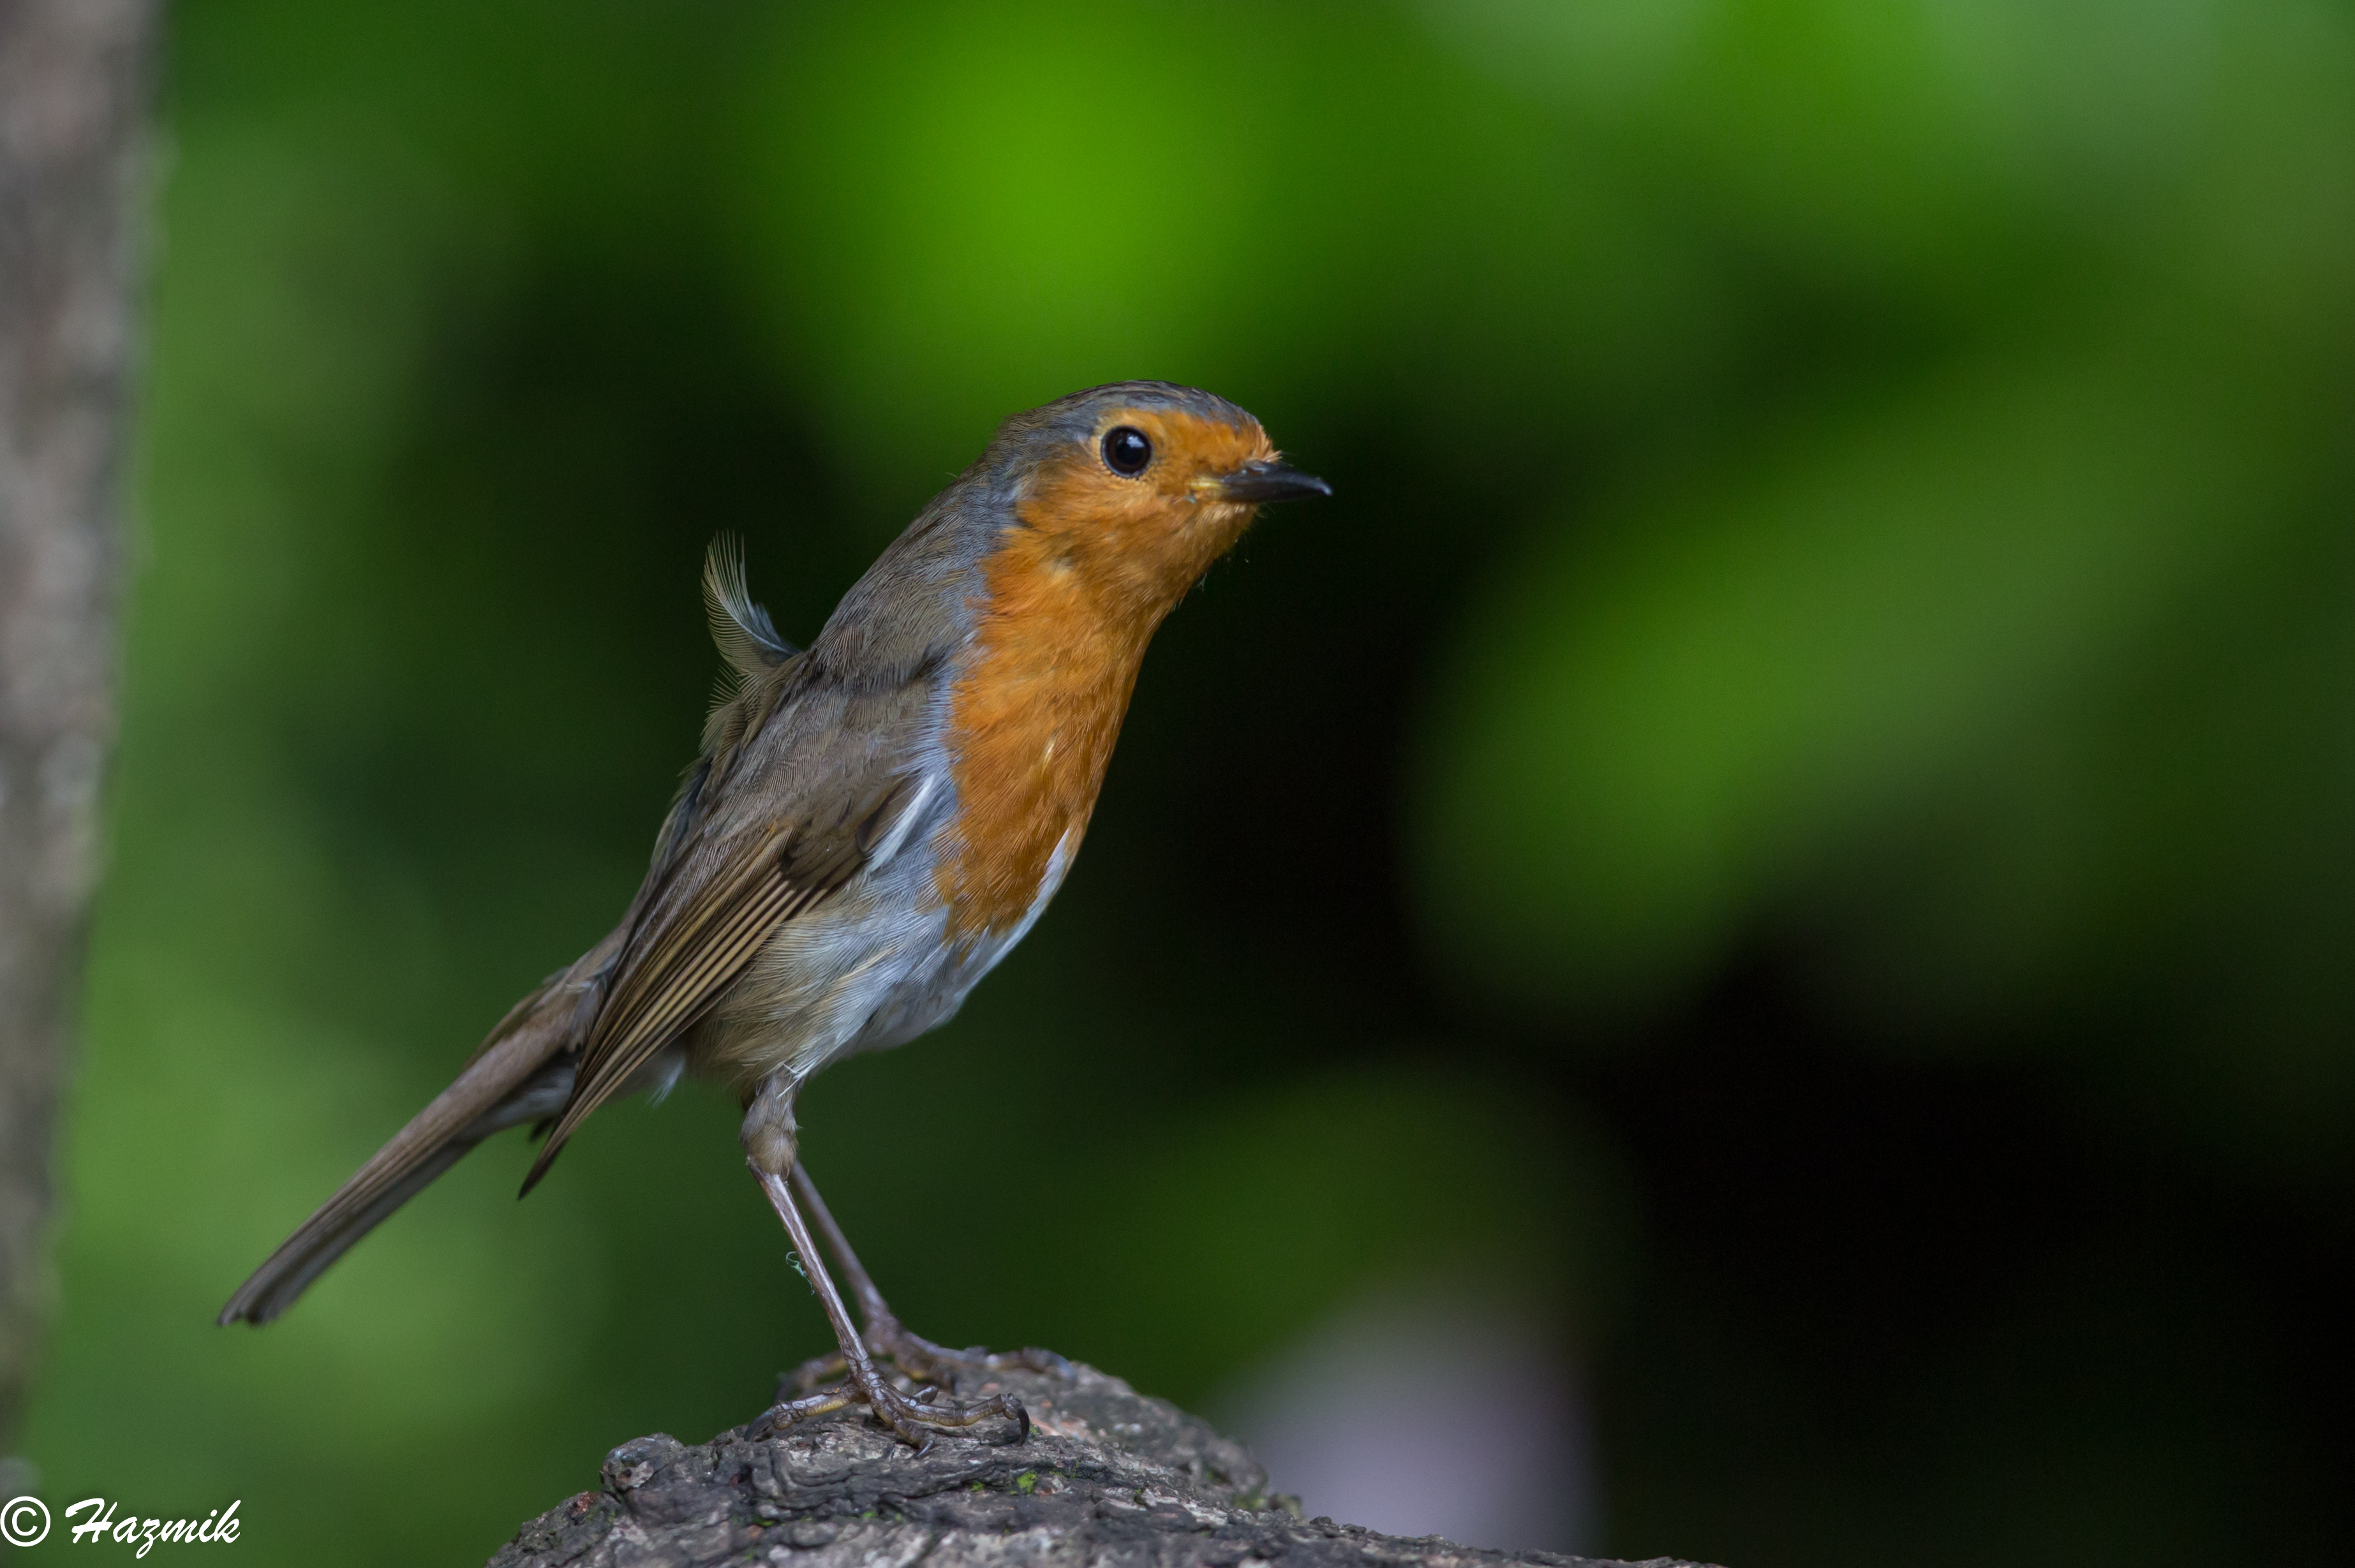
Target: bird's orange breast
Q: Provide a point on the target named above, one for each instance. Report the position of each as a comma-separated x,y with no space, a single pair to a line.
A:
1033,714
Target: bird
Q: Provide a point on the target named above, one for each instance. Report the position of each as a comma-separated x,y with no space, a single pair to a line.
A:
872,824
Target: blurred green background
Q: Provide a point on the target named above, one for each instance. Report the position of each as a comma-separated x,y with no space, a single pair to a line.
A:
1795,815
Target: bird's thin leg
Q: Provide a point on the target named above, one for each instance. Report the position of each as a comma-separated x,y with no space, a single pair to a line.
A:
885,1335
872,1305
907,1417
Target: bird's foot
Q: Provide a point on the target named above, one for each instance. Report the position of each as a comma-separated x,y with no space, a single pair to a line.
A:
921,1359
915,1418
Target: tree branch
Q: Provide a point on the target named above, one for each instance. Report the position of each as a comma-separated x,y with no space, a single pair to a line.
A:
1107,1476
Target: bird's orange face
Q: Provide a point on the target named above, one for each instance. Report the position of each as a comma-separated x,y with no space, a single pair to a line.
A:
1141,508
1119,517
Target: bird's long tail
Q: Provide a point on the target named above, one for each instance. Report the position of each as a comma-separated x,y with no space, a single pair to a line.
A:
522,1072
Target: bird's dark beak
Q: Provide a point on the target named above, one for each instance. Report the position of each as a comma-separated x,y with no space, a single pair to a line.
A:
1270,481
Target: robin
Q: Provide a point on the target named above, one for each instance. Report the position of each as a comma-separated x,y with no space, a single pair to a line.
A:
874,822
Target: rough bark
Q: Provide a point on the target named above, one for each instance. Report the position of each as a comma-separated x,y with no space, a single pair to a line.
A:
1107,1477
73,93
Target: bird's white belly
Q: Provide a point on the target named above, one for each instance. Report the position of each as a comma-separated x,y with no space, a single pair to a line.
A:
870,968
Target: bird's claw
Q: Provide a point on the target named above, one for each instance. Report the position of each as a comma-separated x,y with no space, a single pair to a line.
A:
921,1359
786,1412
915,1419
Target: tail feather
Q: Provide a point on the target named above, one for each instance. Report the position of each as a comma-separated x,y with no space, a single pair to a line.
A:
523,1074
329,1235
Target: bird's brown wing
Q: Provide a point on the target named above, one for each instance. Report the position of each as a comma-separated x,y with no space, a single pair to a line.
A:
714,904
743,848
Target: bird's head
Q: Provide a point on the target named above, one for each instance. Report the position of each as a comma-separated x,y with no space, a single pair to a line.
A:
1140,486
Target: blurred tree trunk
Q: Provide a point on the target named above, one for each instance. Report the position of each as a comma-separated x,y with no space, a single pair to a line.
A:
73,94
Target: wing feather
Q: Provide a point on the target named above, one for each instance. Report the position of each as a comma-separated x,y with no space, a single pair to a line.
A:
700,929
740,627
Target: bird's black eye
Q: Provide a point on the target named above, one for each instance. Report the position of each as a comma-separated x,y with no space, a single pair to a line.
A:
1125,451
